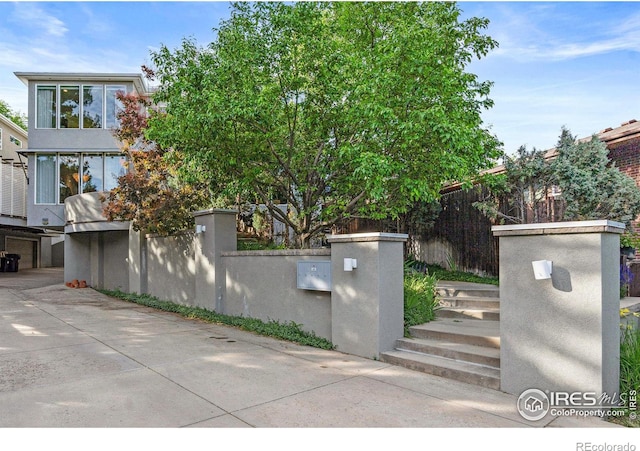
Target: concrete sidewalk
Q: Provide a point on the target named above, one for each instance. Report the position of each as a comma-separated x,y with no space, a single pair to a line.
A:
76,358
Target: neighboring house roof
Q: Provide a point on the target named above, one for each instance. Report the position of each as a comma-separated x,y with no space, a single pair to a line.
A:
137,79
610,136
5,121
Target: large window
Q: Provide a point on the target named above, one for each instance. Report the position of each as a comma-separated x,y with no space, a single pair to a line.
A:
113,105
46,106
76,174
69,176
46,179
78,106
114,167
69,107
92,173
92,107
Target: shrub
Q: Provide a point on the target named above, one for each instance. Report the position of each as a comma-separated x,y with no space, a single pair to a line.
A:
420,298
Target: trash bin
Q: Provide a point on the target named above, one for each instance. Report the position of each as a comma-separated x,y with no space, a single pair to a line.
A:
11,262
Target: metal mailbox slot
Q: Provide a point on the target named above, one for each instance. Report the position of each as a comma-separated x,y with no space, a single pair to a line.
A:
314,275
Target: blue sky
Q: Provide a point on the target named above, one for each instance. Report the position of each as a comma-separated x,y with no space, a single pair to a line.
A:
575,64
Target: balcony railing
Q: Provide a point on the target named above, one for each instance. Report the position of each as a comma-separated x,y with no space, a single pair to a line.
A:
13,189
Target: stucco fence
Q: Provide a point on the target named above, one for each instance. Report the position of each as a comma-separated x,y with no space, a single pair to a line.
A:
360,310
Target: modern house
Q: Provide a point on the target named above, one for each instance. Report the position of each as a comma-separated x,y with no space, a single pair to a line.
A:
37,246
72,155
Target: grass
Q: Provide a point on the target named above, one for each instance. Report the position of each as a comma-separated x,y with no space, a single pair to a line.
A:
441,273
629,374
289,331
459,276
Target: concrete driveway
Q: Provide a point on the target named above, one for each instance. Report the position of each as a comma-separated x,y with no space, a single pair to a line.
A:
76,358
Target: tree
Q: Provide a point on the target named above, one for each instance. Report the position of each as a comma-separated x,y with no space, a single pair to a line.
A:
516,195
149,194
336,109
14,116
591,185
588,183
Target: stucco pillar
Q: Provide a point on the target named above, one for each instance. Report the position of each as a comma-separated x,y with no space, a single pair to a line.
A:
138,274
560,333
215,233
367,303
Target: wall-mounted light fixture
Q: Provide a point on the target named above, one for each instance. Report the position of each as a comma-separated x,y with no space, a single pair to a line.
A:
350,264
200,228
542,269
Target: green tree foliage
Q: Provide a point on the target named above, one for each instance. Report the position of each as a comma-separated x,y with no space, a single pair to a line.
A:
16,117
591,184
588,182
149,194
335,108
515,195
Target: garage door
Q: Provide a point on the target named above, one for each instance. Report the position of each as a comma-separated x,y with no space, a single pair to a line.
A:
26,249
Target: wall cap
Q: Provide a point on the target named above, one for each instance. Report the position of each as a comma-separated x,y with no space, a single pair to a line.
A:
214,211
279,253
364,237
553,228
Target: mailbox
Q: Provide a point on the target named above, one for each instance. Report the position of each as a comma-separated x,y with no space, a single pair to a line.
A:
314,275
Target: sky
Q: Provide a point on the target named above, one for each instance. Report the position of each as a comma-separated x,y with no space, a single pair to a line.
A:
572,64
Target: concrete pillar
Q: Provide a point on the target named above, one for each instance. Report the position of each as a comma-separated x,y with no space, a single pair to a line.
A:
138,272
45,252
560,333
77,251
215,233
367,303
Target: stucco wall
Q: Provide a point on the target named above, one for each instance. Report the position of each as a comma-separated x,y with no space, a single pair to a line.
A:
263,285
171,267
115,274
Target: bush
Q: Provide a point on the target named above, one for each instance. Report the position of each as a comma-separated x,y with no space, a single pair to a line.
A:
420,298
629,368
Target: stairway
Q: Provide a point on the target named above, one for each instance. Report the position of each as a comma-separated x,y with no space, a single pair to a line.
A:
463,343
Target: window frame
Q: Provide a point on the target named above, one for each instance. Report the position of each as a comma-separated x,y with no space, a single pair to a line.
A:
56,113
105,124
56,179
12,139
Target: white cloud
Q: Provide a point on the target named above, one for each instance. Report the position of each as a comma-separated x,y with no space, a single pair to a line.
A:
544,33
30,15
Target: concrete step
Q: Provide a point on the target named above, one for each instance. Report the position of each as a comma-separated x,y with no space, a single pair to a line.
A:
461,371
466,289
470,302
491,314
465,331
456,351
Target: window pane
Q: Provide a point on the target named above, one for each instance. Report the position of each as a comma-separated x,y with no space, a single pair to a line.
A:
92,107
113,168
91,173
46,179
113,105
69,176
69,107
46,107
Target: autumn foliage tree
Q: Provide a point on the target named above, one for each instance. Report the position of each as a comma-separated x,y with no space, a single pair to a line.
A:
149,194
